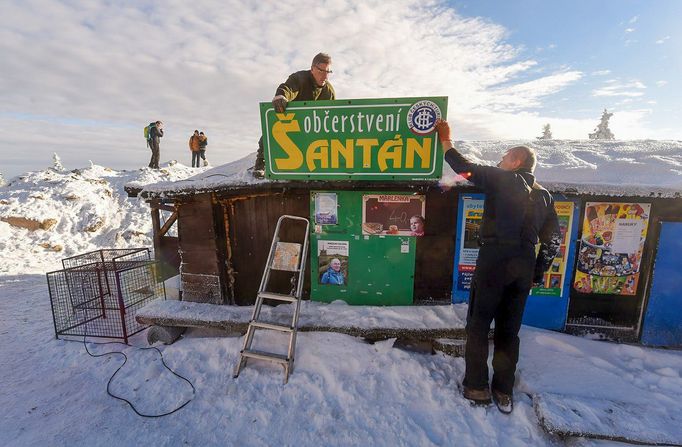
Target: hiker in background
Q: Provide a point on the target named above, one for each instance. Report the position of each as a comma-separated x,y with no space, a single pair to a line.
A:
518,213
304,85
203,142
155,134
194,147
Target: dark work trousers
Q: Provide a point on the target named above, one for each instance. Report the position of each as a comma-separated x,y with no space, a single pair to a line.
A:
503,278
202,153
196,158
154,162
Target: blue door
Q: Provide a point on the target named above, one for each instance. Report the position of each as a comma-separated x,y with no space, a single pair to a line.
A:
662,324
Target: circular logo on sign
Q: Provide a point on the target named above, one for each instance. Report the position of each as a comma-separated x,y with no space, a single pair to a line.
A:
422,116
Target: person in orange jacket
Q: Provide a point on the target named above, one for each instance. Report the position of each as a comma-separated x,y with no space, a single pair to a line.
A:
195,148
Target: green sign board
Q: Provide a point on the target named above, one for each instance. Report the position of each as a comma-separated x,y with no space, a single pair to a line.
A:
354,139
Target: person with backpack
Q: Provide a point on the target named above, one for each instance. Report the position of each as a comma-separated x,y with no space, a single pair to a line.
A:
203,142
194,147
154,132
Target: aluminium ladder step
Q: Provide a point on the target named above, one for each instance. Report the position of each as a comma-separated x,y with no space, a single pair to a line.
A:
277,296
262,355
271,326
278,258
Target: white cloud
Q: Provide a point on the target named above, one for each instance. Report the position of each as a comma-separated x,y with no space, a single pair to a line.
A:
634,19
661,83
630,30
662,40
82,79
601,72
615,88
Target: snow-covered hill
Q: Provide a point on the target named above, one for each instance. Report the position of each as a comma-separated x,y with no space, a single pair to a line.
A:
48,215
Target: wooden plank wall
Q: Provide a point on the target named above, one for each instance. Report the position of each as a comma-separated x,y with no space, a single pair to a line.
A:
199,269
252,226
435,250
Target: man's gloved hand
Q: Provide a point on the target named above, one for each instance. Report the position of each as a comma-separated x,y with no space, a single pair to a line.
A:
279,102
443,130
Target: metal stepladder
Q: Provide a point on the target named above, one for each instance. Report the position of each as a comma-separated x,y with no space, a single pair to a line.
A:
285,256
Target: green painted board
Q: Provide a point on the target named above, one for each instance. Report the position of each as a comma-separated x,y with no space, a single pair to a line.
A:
375,269
387,139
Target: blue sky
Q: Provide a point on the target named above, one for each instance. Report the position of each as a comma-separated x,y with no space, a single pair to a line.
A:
633,49
83,78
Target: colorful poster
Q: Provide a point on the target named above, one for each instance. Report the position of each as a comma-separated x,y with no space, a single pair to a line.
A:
332,258
553,281
393,214
611,248
326,208
472,214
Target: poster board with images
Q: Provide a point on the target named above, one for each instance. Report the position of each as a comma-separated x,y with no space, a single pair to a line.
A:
555,279
469,217
393,214
332,262
376,270
611,248
326,208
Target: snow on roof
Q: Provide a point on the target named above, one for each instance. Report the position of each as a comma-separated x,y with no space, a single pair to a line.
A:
607,167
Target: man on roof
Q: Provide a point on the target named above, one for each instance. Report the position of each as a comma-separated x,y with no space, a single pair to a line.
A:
304,85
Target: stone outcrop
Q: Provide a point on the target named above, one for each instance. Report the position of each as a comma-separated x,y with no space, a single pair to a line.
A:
30,224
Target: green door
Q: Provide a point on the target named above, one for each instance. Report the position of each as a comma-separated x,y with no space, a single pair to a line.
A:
367,269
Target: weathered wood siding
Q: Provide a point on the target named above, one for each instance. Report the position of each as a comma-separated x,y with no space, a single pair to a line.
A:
251,228
199,266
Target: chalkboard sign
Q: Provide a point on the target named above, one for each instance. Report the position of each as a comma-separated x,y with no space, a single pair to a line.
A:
393,214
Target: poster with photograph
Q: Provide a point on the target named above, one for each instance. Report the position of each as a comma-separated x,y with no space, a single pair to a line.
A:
472,216
393,214
611,248
332,259
553,281
326,208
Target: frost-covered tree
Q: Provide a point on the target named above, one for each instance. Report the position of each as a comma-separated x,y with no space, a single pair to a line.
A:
602,132
2,180
546,133
57,162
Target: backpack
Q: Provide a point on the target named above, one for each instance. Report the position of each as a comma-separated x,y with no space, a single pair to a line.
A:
148,131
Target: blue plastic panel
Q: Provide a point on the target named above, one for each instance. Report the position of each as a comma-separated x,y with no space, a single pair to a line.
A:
662,324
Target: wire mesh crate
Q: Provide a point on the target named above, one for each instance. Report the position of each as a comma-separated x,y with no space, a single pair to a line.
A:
96,294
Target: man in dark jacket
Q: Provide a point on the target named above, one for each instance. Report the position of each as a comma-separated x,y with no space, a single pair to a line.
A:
304,85
203,142
517,213
155,134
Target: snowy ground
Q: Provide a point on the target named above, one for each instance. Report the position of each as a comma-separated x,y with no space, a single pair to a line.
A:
343,391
